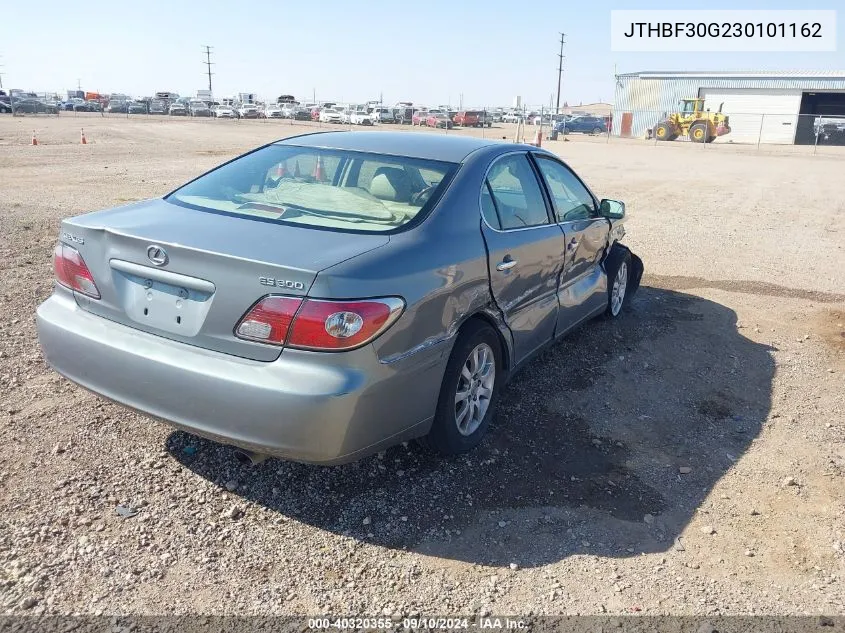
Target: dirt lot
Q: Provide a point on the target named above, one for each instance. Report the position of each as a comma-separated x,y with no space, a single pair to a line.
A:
688,458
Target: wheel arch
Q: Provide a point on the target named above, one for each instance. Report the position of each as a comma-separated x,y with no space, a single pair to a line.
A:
489,316
615,256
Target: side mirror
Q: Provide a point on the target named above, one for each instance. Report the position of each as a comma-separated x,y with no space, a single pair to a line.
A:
612,209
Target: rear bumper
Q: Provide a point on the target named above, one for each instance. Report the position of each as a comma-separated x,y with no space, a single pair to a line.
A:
305,406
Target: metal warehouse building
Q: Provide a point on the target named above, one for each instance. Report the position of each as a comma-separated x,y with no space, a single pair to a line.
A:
764,105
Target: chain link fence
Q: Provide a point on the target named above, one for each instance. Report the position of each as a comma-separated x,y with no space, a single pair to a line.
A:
767,132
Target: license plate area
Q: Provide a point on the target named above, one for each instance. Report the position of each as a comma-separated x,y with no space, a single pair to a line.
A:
170,307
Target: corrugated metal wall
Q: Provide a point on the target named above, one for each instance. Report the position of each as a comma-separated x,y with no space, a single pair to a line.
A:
649,97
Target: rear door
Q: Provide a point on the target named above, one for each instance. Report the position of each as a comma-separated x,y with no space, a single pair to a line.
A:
524,249
582,290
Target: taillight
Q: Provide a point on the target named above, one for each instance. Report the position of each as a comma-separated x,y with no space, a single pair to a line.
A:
269,320
72,272
317,324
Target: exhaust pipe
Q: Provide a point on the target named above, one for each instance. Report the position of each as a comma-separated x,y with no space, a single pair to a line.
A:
248,457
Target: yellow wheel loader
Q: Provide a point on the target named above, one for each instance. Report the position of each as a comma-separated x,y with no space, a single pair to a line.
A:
700,125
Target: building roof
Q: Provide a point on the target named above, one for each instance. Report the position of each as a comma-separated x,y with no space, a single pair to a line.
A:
450,148
737,74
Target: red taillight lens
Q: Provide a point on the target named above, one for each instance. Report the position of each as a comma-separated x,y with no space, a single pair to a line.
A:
317,324
269,320
338,325
72,272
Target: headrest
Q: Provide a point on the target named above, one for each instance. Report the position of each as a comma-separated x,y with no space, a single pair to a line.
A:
391,183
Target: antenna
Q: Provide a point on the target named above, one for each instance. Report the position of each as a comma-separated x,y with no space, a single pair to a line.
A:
208,64
559,72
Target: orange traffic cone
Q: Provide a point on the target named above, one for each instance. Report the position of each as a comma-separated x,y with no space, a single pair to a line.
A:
83,141
296,173
538,139
34,140
318,170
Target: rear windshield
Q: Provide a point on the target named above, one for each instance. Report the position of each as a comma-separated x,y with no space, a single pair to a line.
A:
322,188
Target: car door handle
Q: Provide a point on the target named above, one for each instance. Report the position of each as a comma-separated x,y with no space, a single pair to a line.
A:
506,264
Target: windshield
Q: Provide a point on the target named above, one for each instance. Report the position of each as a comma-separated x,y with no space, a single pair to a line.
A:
322,188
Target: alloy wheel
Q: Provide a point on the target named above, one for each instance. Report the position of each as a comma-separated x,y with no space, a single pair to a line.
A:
617,292
475,389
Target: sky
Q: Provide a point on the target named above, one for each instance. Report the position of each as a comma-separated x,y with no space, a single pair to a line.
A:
474,52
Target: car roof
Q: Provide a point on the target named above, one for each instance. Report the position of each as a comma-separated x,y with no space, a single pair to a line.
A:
452,149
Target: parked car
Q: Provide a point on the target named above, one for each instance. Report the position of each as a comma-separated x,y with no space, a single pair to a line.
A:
419,117
247,111
403,115
512,117
273,111
383,115
368,310
471,118
136,107
117,107
439,119
315,113
301,114
178,108
88,106
30,105
225,112
199,108
330,115
585,124
485,119
158,106
359,117
288,110
5,104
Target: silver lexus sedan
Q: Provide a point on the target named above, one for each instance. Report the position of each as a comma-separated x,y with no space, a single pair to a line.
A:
329,295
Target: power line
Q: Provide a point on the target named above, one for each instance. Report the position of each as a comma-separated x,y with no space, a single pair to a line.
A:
559,72
208,64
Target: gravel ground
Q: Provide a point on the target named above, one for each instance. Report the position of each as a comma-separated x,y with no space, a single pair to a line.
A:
687,459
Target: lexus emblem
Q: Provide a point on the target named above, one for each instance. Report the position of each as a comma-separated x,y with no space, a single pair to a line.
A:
157,255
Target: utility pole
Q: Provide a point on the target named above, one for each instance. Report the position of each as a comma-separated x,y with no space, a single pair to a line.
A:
1,78
559,72
208,64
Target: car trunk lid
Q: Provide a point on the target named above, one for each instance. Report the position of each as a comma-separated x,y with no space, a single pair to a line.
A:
190,275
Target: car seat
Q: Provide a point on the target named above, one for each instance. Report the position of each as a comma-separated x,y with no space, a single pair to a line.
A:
391,183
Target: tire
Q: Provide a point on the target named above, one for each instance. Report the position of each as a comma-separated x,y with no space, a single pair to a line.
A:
698,133
618,277
597,131
452,433
664,131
